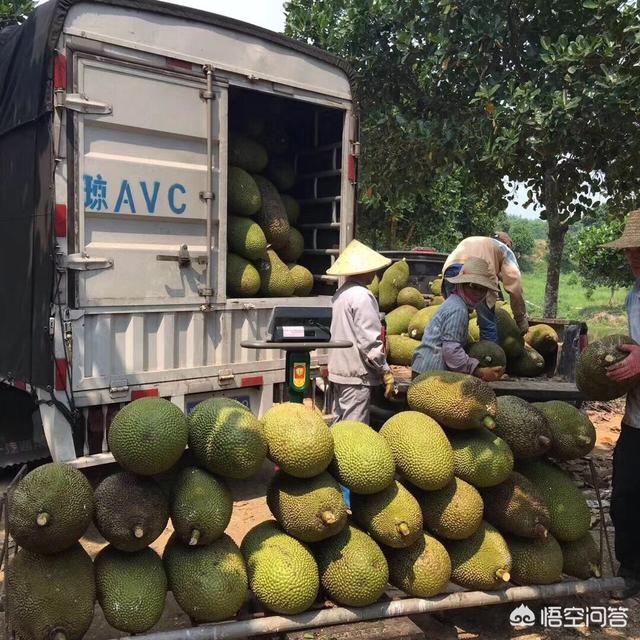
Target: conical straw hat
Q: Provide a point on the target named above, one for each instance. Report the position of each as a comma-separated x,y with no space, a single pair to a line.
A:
357,258
476,271
630,237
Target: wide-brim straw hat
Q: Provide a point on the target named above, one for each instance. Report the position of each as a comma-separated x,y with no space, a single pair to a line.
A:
357,259
630,238
475,271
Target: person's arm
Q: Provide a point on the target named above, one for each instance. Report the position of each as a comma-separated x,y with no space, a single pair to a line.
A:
368,329
454,335
456,358
512,281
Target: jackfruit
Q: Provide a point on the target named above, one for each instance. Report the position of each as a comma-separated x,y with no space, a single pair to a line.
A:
272,216
488,353
422,570
50,508
572,433
411,296
309,509
528,364
281,172
275,279
400,349
436,287
131,511
397,321
374,287
148,436
420,321
482,561
591,370
283,573
246,153
362,459
51,595
516,506
453,512
353,569
387,296
395,278
302,279
131,588
208,582
455,400
570,516
535,561
474,333
420,449
299,440
292,207
505,306
200,507
294,247
436,300
243,279
481,458
246,238
523,427
581,558
542,338
392,516
226,438
243,195
509,337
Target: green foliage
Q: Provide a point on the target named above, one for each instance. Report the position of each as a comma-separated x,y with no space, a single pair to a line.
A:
520,230
14,12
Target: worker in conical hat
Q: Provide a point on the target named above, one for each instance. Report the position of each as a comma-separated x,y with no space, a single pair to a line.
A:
356,318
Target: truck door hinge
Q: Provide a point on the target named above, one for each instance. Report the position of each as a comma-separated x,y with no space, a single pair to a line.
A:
118,385
225,376
83,262
82,104
355,149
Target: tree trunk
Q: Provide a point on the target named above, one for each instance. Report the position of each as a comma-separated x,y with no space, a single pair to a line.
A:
556,233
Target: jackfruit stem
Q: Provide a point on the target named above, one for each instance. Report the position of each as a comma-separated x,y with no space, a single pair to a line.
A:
328,517
43,519
609,358
595,569
540,531
544,441
489,422
403,529
58,635
195,537
138,531
503,574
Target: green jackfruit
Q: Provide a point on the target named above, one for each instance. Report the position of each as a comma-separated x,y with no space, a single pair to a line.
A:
394,279
572,433
246,238
420,449
420,321
272,216
474,333
570,516
436,300
488,353
436,287
482,561
374,287
523,427
422,570
392,516
200,507
309,509
535,561
209,582
50,508
243,195
353,569
226,438
51,595
411,296
581,558
246,153
243,279
387,296
453,512
131,511
131,588
283,573
542,338
362,460
505,306
455,400
148,436
400,350
481,457
294,247
528,364
281,172
291,207
509,337
275,279
397,321
516,506
591,370
299,440
302,279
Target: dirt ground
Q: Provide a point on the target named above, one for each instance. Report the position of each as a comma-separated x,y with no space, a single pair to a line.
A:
490,623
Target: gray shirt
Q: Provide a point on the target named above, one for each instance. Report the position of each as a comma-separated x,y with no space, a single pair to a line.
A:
442,346
632,408
356,318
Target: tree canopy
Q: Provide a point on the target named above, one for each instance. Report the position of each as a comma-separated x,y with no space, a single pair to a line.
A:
14,12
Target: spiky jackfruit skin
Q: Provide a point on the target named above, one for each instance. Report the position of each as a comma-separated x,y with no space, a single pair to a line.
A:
397,321
570,516
226,438
294,247
275,278
412,297
392,516
387,296
535,561
246,238
509,337
243,195
453,512
436,300
353,569
302,279
454,400
516,506
50,508
243,279
488,353
131,588
299,441
208,582
591,369
283,573
436,287
481,458
309,509
422,569
523,427
395,278
46,594
362,459
581,558
148,436
543,338
529,364
272,216
200,507
474,335
374,287
482,561
420,321
292,207
420,449
246,153
282,173
400,349
572,433
131,511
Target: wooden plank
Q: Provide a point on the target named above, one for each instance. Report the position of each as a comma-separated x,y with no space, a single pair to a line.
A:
388,629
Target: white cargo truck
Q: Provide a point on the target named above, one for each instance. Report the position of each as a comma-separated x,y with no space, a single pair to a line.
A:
114,125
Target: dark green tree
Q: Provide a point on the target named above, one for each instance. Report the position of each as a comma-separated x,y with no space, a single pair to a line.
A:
14,12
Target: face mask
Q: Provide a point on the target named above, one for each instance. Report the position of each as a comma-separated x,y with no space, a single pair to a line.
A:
473,297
